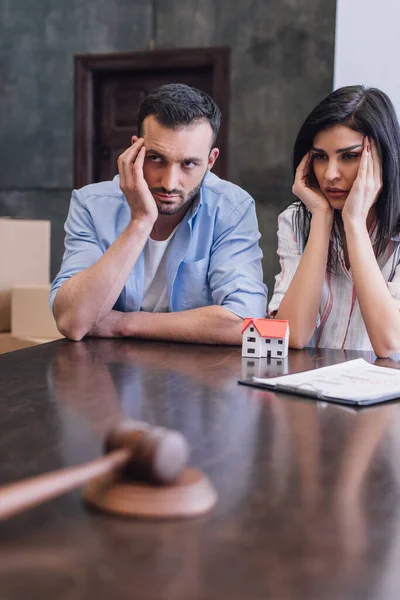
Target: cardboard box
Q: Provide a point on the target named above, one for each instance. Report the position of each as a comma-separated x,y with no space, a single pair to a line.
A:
31,316
9,344
24,259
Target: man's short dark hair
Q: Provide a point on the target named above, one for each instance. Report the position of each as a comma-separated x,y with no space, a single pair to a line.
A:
175,105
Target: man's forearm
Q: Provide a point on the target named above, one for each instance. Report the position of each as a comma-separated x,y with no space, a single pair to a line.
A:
207,325
84,300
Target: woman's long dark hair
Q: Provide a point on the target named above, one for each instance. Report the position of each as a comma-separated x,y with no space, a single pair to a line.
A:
370,112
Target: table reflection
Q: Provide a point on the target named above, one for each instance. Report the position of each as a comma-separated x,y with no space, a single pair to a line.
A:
194,391
308,491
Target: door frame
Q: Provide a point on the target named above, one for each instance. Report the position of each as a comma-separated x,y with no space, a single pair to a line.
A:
86,66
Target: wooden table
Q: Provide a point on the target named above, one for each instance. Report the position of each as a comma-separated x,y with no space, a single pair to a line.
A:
308,493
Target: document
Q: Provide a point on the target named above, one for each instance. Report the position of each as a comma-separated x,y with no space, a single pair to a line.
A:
354,382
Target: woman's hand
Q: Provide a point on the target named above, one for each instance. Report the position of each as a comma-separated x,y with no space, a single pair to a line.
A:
366,187
313,198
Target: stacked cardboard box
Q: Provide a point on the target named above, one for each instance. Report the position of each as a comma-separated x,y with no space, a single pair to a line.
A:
31,316
8,343
25,318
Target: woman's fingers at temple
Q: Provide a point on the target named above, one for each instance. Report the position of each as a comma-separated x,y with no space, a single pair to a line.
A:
377,165
302,169
370,163
363,166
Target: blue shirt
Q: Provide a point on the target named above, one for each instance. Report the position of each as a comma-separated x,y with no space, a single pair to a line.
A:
215,257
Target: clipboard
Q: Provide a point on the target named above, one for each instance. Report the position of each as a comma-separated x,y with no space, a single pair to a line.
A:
356,379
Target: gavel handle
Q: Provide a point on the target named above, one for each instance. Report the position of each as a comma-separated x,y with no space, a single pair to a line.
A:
17,497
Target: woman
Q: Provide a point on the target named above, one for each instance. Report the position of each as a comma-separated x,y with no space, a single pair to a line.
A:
339,243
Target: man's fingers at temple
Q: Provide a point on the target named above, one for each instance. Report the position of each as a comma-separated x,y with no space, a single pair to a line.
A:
126,161
130,154
139,162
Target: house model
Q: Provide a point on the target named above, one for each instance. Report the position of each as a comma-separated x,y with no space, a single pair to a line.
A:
265,338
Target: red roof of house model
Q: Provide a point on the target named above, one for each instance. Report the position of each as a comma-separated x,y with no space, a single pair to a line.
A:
270,328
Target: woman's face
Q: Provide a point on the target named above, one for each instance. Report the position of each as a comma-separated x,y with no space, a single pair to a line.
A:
336,155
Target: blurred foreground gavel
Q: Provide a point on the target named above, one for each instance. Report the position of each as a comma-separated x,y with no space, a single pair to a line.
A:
152,453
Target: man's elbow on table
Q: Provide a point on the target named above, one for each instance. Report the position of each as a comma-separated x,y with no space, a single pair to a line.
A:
68,324
71,329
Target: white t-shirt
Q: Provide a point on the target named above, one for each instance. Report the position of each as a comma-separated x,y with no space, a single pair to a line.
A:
155,297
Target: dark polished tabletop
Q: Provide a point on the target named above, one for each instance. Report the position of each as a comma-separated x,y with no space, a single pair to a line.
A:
308,492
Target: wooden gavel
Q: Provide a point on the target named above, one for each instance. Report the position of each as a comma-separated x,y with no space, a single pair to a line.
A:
153,453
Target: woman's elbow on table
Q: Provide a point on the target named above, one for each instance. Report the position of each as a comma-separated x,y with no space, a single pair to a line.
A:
387,348
298,339
296,343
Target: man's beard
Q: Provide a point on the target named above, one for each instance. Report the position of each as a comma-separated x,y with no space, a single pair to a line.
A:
186,201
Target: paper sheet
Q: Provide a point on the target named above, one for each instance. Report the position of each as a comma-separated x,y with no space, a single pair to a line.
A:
352,380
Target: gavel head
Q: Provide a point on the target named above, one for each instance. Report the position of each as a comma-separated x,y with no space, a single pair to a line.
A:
158,455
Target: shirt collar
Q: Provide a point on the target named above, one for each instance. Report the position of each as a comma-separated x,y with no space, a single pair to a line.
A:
197,202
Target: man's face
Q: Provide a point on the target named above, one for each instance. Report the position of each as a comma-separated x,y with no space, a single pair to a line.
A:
176,162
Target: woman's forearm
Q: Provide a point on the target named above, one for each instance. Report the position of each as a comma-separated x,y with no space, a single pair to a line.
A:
378,308
301,302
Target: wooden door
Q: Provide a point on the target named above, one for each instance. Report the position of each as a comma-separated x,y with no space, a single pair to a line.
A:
110,88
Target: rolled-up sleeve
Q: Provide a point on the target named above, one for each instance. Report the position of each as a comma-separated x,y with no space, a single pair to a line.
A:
235,269
289,258
82,248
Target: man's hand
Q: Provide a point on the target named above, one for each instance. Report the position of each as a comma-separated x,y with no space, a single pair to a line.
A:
133,184
109,327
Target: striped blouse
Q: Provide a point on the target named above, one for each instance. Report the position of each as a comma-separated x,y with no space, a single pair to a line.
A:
340,323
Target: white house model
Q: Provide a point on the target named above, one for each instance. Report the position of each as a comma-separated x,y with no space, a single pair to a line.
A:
265,338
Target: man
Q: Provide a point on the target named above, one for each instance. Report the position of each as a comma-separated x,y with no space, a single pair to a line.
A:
167,250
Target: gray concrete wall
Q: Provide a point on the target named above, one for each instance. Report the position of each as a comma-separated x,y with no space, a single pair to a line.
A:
281,66
38,40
